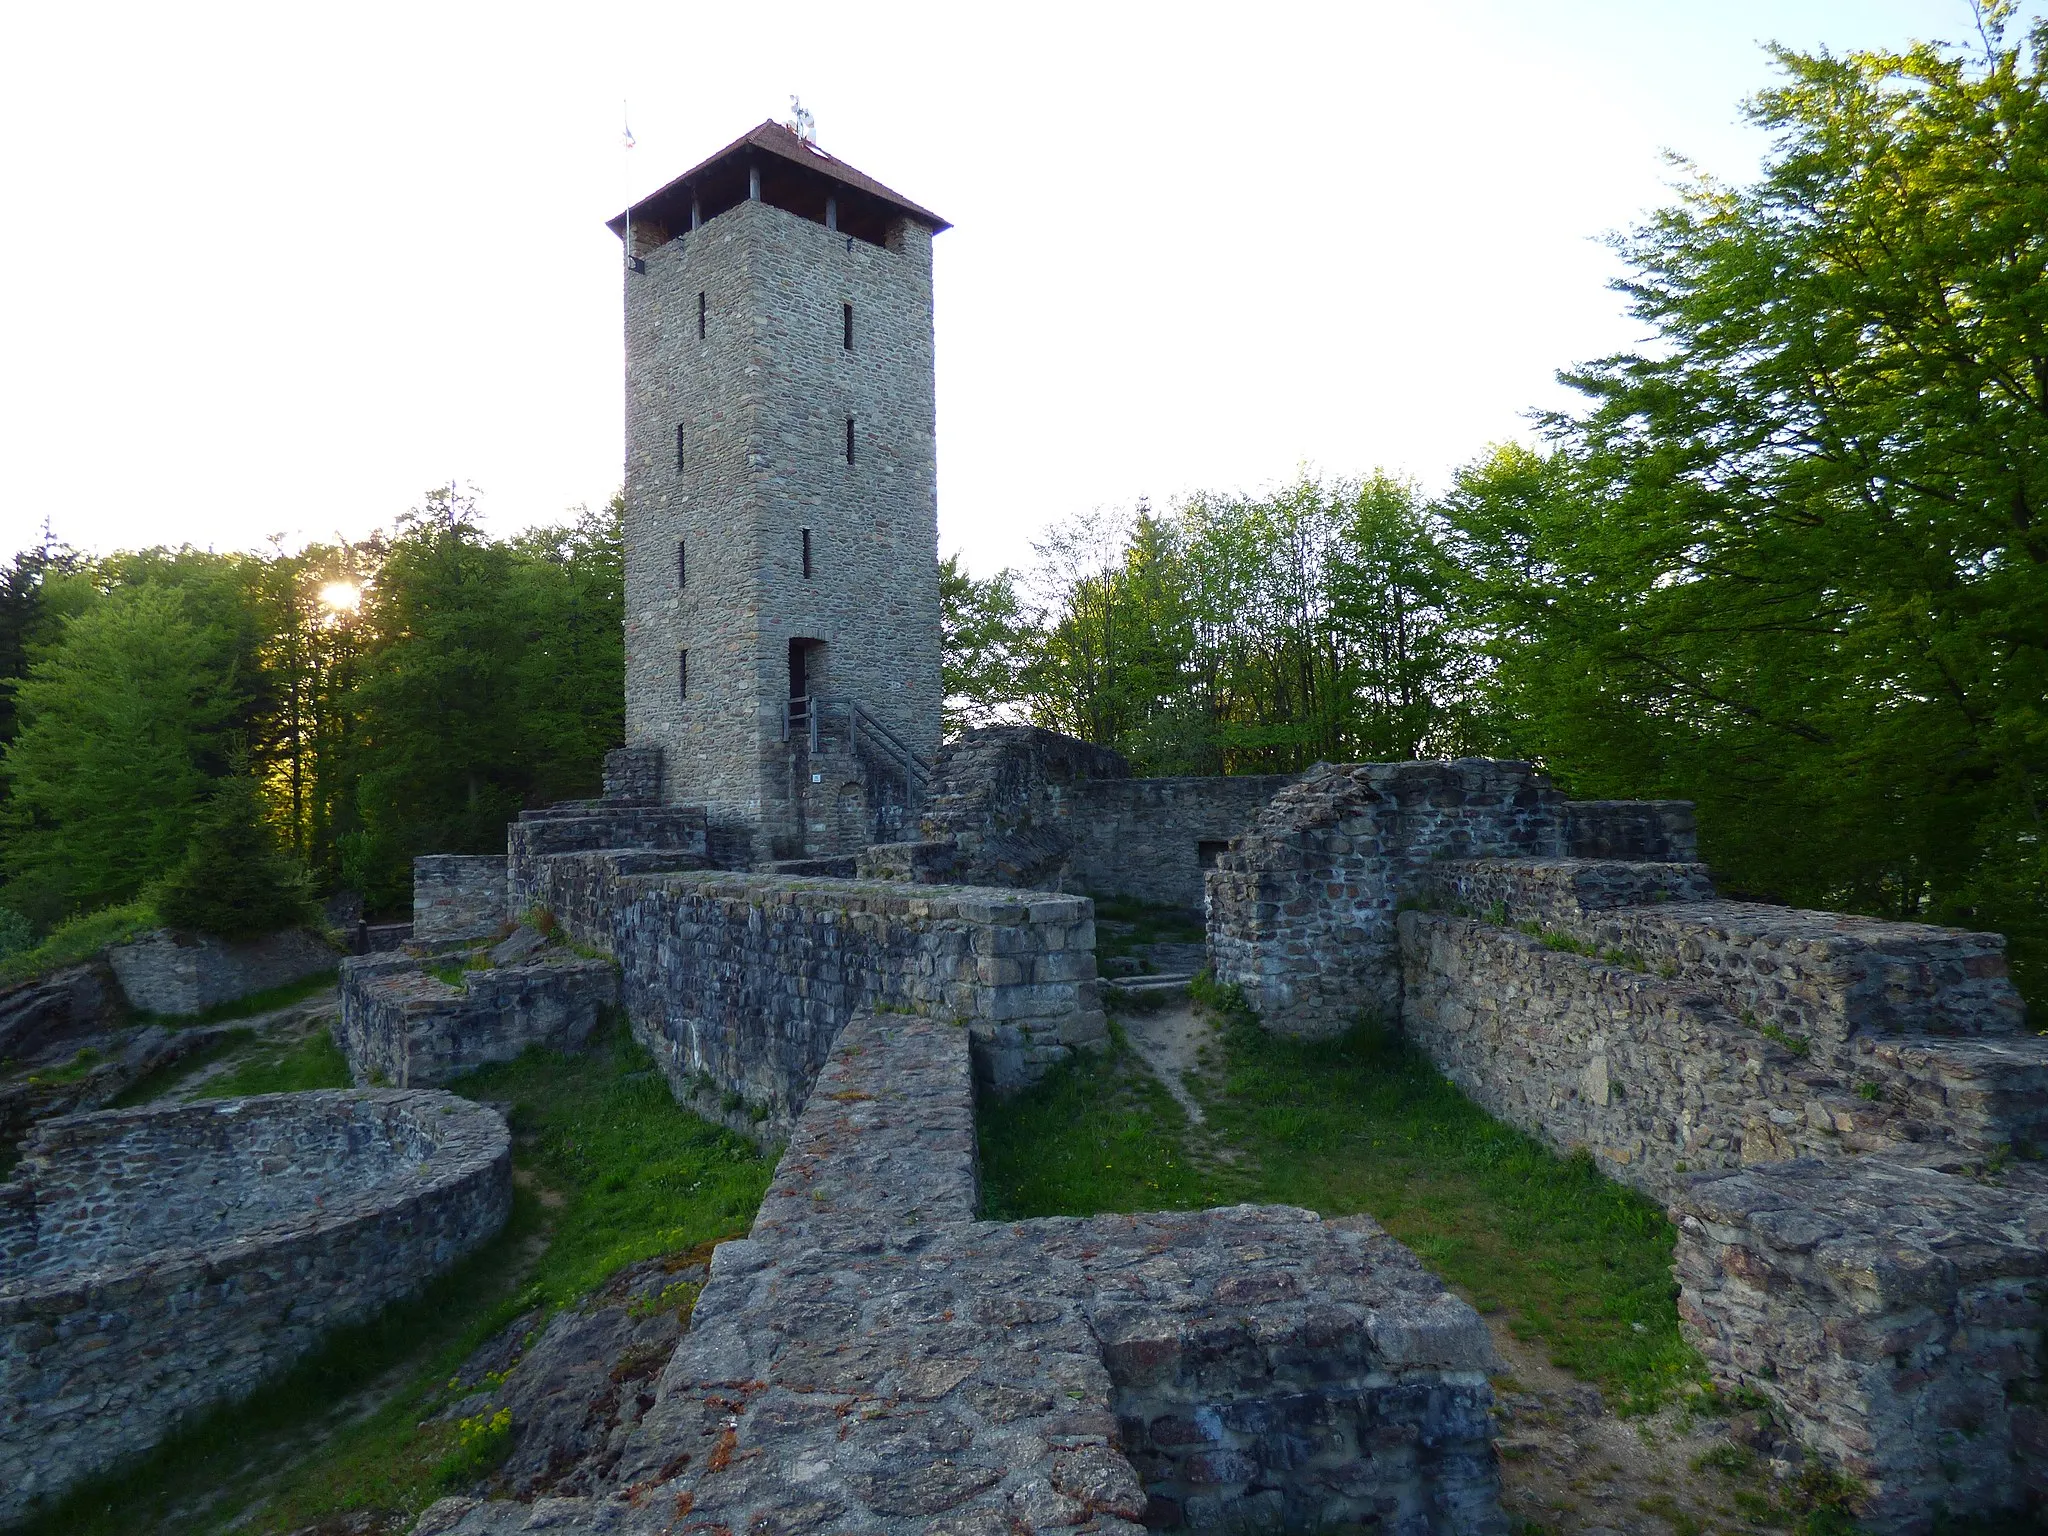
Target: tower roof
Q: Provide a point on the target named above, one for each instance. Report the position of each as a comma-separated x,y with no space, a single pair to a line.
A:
795,175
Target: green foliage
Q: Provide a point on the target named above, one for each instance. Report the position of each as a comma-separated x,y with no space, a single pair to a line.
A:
481,1445
233,880
80,939
17,933
117,724
1253,634
985,639
315,1062
495,682
1791,563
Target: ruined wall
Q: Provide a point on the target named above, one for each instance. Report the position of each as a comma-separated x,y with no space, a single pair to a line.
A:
679,832
748,979
157,1262
1893,1315
1301,908
1019,805
183,974
458,896
1248,1368
1154,839
405,1027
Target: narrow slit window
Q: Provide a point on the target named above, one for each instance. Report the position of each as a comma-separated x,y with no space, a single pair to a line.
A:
807,554
849,439
682,674
702,309
846,337
682,565
679,445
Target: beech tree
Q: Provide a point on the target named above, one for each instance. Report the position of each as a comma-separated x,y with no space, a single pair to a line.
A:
1791,561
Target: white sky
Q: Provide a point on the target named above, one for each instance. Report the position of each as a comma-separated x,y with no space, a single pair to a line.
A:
280,268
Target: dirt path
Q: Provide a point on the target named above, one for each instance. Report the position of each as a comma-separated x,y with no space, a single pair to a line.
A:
1170,1042
275,1032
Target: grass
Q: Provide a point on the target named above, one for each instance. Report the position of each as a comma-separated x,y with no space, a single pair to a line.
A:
1098,1134
611,1171
314,1062
1123,925
166,1077
266,1001
79,939
1364,1123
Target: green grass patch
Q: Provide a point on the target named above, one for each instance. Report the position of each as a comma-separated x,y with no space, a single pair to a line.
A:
612,1171
79,939
1098,1134
267,1001
1366,1124
166,1077
314,1062
1123,925
74,1069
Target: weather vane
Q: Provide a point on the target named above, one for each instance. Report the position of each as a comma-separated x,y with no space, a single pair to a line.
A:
801,123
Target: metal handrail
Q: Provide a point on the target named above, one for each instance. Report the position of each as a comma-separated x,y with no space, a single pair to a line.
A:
807,710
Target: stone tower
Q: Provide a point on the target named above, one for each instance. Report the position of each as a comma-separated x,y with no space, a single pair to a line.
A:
782,604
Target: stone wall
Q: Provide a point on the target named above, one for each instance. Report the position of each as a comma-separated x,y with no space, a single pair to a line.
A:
157,1262
1649,831
407,1027
458,896
1155,839
678,832
746,980
1893,1316
736,444
180,974
871,1358
1301,907
1018,805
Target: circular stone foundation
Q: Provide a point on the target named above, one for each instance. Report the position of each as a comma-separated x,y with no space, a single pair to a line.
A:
158,1262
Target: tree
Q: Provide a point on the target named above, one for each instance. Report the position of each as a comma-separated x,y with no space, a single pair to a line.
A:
1792,562
234,881
117,725
985,640
494,682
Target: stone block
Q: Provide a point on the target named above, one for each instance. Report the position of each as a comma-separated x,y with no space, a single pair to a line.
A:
182,974
1892,1315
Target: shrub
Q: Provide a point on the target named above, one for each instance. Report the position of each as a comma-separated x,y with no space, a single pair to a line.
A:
234,880
79,939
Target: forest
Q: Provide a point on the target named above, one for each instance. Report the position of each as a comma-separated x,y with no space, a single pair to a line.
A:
1788,560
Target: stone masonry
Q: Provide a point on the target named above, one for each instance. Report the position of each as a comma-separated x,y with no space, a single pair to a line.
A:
1828,1103
406,1026
871,1358
157,1262
178,974
1301,908
458,896
1021,805
740,386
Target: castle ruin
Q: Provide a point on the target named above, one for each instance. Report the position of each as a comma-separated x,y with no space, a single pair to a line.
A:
801,885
